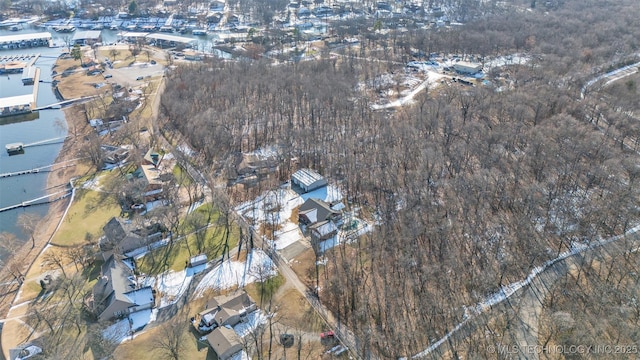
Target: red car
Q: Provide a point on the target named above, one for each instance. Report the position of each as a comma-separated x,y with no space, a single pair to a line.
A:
327,334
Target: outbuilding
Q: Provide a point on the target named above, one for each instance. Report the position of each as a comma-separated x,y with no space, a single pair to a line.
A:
308,180
464,67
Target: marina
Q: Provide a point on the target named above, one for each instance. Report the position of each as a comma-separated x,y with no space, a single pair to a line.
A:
26,40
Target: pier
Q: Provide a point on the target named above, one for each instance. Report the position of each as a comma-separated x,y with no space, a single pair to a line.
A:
40,201
37,170
18,148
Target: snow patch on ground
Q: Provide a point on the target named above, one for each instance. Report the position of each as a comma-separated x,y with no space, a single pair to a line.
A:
124,329
289,234
252,321
233,273
172,284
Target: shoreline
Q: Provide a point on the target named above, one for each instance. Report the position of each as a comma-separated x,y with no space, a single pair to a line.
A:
26,255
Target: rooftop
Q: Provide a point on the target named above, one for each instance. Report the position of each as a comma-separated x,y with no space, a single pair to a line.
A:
20,37
307,176
19,100
90,34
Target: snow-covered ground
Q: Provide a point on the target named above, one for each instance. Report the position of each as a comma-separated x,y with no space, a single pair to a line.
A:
172,284
125,329
287,235
235,273
252,321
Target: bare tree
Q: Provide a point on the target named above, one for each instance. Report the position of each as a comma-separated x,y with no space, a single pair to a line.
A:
170,342
28,222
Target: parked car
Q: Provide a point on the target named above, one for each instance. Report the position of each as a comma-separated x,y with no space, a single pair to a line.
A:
327,334
108,76
139,78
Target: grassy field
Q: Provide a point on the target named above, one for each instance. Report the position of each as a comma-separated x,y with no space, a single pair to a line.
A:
90,211
175,257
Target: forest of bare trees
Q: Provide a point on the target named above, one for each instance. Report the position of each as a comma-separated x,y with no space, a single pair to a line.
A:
472,188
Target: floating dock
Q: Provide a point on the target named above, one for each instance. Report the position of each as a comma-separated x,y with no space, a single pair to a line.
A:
15,148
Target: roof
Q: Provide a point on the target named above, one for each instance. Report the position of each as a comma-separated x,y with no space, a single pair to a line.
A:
89,34
115,282
467,65
20,37
140,296
236,301
174,38
316,210
223,340
117,229
29,72
306,177
16,100
324,228
133,34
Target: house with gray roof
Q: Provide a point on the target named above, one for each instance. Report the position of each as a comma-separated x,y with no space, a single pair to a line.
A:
116,293
224,310
122,236
225,342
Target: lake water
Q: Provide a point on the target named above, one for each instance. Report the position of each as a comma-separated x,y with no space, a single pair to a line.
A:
14,190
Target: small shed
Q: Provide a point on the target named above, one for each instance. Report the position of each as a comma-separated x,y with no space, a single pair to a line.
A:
308,180
198,260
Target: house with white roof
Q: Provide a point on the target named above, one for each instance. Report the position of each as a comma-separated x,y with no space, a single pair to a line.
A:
308,180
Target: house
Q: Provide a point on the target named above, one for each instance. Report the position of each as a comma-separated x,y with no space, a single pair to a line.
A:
90,37
225,342
308,180
121,236
464,67
150,172
224,310
116,294
316,211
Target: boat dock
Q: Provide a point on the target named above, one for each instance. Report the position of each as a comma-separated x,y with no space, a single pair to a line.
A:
41,200
37,170
18,148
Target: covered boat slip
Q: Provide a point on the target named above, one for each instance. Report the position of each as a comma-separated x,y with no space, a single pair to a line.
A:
25,40
14,105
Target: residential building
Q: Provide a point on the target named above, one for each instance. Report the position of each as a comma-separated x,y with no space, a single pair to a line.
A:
225,342
315,211
308,180
116,294
90,37
224,310
121,236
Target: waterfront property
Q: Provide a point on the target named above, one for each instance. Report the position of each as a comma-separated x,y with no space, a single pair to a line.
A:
25,40
160,40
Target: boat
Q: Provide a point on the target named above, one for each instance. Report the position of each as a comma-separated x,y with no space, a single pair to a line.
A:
15,148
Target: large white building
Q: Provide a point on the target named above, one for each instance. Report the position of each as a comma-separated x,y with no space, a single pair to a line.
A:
308,180
467,67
